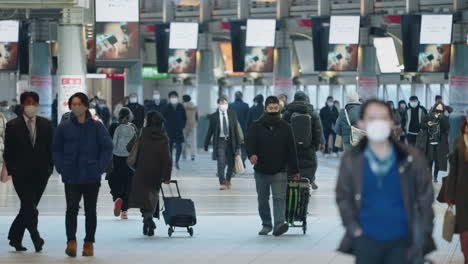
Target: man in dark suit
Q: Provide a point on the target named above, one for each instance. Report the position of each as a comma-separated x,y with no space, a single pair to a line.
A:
224,129
28,158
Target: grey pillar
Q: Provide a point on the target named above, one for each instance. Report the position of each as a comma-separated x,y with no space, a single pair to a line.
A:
168,11
459,5
368,82
367,7
40,80
72,64
134,81
324,7
412,6
243,9
459,78
282,71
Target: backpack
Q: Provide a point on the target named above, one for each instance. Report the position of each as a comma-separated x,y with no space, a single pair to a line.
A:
301,125
356,133
122,136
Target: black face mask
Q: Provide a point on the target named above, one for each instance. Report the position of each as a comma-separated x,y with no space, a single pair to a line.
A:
273,114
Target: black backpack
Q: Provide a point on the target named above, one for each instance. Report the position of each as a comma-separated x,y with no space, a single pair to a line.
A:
301,125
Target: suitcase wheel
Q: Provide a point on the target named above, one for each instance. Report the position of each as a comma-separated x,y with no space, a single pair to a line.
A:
170,231
304,229
190,231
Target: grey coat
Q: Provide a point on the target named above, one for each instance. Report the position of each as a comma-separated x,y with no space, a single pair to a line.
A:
412,165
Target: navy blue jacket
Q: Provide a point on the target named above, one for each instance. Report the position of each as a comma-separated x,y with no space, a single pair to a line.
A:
242,111
175,122
81,152
255,112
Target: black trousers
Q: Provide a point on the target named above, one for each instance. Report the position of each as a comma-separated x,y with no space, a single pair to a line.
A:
120,181
29,193
73,194
327,133
411,139
370,251
225,158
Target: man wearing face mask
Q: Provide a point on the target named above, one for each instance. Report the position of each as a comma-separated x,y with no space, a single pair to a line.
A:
223,131
380,186
329,115
433,139
138,110
414,116
82,151
272,150
176,120
28,158
256,111
156,104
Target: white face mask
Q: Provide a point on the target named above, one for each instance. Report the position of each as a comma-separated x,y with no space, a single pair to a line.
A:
30,110
223,107
330,104
378,130
133,100
174,100
156,97
414,104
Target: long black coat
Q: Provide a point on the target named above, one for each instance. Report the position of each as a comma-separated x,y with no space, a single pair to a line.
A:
153,166
242,111
138,114
458,184
329,115
422,141
23,160
176,120
214,131
255,112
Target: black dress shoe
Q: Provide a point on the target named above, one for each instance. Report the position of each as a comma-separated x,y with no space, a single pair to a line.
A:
145,227
18,246
38,244
151,227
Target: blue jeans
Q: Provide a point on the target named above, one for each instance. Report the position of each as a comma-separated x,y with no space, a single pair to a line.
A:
370,251
278,184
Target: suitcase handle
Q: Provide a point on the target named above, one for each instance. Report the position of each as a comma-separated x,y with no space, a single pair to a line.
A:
177,186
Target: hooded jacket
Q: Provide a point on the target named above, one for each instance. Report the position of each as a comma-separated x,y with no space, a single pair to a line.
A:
81,152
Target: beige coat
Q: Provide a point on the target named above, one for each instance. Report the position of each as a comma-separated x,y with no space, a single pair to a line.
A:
192,115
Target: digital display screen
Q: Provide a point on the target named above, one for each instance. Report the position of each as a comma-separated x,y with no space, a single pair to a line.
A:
183,36
261,33
436,29
434,58
117,40
342,57
226,53
259,59
387,55
344,30
117,11
182,61
9,30
305,55
8,56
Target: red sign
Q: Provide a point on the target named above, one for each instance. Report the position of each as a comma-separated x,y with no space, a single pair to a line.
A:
71,81
305,23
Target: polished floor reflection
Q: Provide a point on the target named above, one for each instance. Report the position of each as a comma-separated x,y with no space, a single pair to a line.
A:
226,231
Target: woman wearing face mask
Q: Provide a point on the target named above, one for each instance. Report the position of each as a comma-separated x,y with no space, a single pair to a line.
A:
380,183
458,184
433,139
138,110
402,108
82,151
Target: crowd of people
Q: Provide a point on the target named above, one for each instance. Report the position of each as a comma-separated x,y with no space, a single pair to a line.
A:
391,155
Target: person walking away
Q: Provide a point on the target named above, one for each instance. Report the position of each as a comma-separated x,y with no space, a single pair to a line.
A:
82,151
223,129
272,150
6,112
120,178
242,111
383,183
137,109
402,109
432,139
398,130
283,99
153,166
307,131
256,111
176,119
329,115
342,127
457,186
190,130
414,116
28,159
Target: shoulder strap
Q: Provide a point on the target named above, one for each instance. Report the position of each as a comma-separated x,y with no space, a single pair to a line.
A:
347,117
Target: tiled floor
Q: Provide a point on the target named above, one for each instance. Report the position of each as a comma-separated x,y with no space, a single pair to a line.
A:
226,231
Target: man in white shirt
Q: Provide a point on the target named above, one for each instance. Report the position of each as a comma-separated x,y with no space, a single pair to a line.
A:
226,141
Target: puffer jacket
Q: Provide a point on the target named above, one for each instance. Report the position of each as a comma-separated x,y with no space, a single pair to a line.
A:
307,157
81,152
342,127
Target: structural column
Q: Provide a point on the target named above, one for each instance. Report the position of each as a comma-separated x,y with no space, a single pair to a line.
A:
243,9
324,8
134,81
206,82
71,58
412,6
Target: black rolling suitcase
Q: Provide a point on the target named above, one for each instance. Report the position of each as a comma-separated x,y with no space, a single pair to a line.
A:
297,202
178,212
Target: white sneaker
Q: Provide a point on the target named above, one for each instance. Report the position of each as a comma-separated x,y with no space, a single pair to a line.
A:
124,215
335,155
326,155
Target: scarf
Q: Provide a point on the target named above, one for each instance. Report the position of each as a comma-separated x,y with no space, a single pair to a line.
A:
380,167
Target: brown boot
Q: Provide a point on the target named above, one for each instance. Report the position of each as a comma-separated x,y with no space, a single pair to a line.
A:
228,184
71,248
88,249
